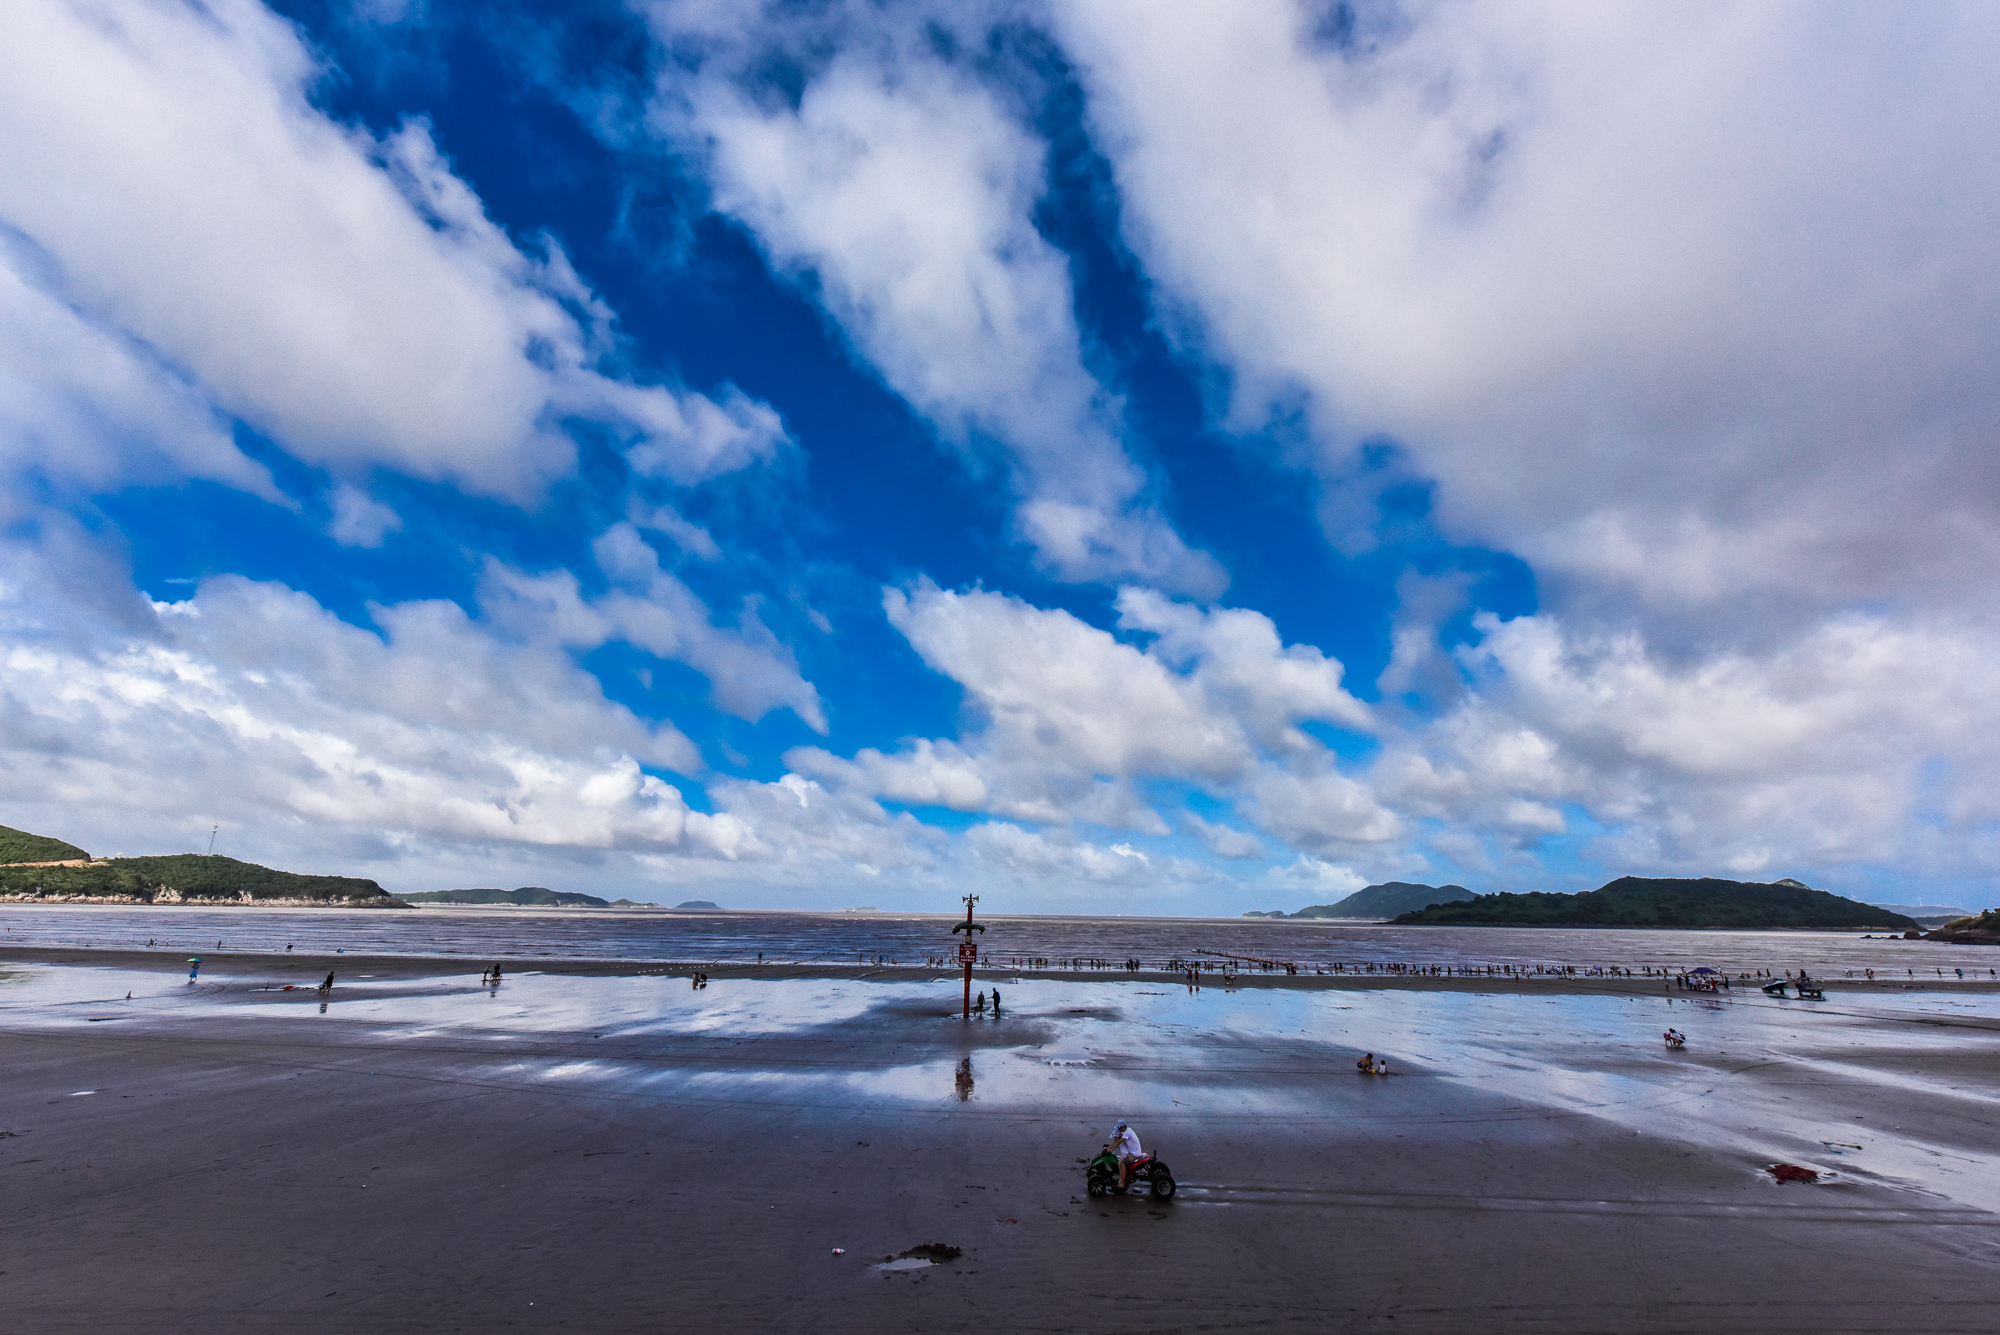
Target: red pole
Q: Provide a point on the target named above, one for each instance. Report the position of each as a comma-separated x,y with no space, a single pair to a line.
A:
967,953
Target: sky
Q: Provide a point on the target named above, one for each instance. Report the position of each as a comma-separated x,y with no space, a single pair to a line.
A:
1107,457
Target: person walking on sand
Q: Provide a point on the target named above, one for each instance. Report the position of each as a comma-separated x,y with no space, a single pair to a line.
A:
327,986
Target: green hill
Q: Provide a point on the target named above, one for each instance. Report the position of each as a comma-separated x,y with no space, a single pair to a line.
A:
187,878
527,895
20,846
1642,901
1387,900
1377,901
1980,929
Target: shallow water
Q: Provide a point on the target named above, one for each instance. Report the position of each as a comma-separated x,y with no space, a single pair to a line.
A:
859,939
1885,1088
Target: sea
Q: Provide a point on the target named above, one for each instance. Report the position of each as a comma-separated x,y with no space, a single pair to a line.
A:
866,940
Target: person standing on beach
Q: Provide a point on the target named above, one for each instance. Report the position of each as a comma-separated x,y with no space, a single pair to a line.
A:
327,986
996,1003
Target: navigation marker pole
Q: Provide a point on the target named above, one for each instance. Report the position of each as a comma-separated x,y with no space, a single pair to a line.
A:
968,953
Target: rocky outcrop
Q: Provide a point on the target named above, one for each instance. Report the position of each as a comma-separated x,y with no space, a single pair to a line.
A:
1981,929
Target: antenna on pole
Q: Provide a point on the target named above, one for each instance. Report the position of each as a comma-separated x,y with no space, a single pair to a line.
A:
968,953
211,839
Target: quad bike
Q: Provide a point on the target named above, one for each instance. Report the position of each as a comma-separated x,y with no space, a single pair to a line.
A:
1101,1177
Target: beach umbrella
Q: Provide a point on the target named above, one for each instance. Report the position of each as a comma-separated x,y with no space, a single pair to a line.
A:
1704,969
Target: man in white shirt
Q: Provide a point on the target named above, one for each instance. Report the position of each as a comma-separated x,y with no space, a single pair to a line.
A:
1125,1144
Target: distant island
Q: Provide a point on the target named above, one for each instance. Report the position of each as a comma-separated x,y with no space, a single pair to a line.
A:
39,869
1929,915
527,896
1378,901
698,904
1644,901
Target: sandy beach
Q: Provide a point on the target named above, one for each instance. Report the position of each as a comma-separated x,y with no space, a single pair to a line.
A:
598,1148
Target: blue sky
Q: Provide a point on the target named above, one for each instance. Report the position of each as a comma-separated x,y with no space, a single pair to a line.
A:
1110,456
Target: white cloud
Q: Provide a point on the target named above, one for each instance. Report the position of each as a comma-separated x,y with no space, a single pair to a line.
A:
1319,881
749,670
87,408
1056,856
429,750
346,295
1321,811
1224,841
252,704
1068,723
1689,304
359,520
1826,752
801,827
900,193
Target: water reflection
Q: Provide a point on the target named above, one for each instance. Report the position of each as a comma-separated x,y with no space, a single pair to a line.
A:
962,1081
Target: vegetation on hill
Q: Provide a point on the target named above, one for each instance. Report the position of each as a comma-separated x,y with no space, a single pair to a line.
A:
20,846
1377,901
1643,901
185,877
1387,900
1980,929
526,895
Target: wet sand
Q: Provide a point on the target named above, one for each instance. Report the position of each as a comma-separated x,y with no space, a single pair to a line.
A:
605,1149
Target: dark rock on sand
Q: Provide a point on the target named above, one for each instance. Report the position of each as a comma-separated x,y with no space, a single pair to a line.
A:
1645,901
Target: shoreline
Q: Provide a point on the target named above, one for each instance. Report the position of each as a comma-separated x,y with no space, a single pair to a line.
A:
590,1153
312,963
920,915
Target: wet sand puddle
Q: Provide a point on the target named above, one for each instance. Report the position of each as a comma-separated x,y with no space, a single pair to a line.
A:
1761,1081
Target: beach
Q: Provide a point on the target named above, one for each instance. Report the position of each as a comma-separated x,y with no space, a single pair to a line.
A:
600,1146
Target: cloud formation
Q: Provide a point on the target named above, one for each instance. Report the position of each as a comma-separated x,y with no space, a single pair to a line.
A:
1067,723
1687,306
900,191
1688,309
345,294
